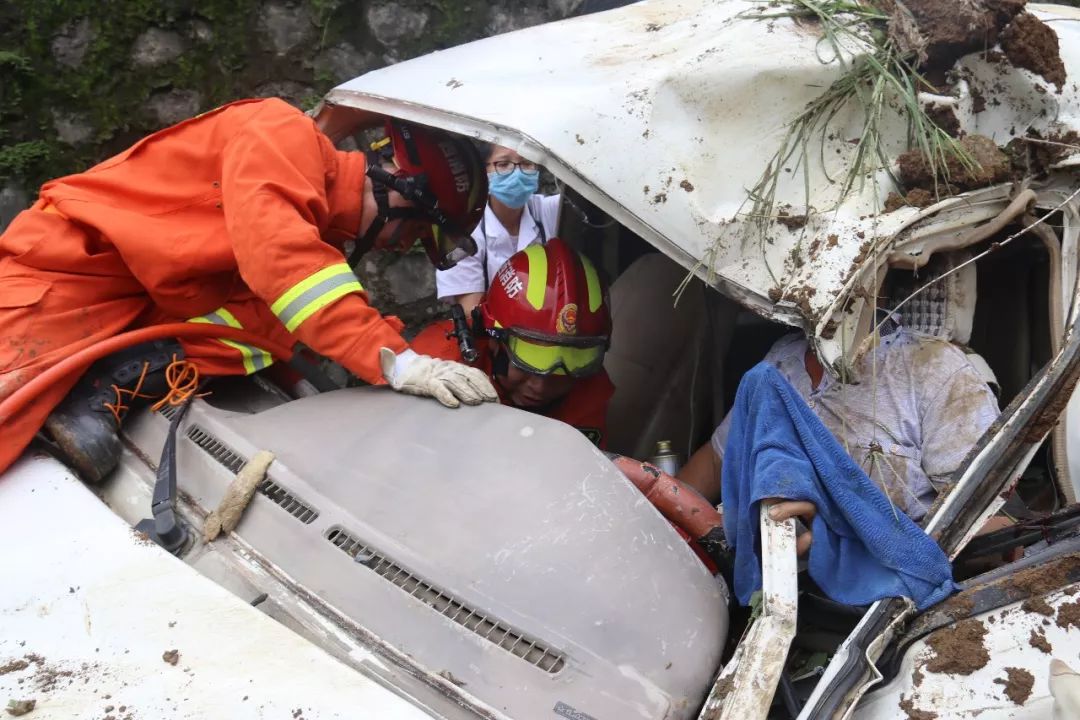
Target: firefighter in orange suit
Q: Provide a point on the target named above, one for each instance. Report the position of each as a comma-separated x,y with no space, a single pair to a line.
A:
545,327
238,217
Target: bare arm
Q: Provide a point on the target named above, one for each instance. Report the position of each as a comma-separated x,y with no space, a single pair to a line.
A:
702,472
468,301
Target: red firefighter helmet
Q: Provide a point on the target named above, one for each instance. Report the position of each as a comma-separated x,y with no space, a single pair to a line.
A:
442,175
549,308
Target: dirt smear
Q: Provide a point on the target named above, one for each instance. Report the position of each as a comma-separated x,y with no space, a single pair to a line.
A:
913,713
791,222
959,649
13,666
20,707
171,656
1018,683
1069,615
1038,640
1029,43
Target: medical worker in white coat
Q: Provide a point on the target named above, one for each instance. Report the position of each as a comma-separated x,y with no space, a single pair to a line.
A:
515,217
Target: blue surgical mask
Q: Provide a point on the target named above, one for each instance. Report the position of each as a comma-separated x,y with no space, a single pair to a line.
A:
513,189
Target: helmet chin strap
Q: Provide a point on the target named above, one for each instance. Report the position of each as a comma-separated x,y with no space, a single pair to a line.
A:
500,365
381,184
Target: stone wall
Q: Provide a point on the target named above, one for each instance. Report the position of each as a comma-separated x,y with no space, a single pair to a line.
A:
82,79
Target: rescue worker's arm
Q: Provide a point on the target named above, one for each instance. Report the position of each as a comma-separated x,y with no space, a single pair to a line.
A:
274,194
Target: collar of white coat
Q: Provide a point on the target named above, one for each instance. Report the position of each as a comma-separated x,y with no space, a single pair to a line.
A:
528,229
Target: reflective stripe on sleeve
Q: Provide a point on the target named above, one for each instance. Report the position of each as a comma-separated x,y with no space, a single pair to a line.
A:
313,293
254,358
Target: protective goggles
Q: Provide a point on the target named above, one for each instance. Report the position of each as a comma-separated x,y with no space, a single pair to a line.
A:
542,357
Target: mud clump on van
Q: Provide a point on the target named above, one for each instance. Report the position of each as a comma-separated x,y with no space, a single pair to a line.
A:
1033,155
1069,615
918,198
990,165
939,33
1029,43
1018,683
959,649
1039,642
913,713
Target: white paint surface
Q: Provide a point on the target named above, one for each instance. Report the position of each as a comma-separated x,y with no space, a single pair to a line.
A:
88,597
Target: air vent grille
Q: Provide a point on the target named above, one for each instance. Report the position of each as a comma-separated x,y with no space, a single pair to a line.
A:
491,629
168,410
232,461
288,502
216,449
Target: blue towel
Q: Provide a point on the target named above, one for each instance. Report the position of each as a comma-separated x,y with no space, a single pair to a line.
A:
862,550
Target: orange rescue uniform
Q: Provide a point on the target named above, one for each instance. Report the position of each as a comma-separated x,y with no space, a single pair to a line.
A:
584,407
235,217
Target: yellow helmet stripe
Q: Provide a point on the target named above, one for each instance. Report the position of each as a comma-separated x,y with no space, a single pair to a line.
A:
538,271
592,280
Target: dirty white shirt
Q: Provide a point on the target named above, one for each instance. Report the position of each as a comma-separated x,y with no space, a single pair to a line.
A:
909,429
495,245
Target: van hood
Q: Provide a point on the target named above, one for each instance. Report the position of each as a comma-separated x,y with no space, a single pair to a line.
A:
666,112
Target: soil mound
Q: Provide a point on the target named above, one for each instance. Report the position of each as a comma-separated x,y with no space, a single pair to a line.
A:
1029,43
938,33
958,649
991,166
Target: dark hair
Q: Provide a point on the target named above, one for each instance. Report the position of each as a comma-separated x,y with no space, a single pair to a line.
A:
484,149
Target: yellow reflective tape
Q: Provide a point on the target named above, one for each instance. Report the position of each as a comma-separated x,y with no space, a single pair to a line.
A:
254,358
536,288
309,282
335,292
229,318
592,280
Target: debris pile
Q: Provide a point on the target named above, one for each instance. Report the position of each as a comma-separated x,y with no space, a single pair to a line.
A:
935,35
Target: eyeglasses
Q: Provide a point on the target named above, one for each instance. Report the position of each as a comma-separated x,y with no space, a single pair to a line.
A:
505,167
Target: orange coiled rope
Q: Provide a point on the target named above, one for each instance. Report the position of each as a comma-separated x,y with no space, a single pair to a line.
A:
182,377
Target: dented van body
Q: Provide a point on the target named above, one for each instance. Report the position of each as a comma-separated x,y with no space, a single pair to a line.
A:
498,566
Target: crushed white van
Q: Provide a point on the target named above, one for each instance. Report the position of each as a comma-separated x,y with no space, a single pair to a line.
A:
402,560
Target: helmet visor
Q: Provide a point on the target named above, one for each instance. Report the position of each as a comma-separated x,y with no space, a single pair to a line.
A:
445,249
542,358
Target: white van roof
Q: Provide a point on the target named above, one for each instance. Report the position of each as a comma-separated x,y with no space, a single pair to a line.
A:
666,112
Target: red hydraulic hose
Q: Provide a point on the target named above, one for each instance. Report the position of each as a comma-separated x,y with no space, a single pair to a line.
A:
675,500
81,359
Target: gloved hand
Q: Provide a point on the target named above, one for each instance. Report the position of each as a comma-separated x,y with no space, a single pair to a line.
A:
450,383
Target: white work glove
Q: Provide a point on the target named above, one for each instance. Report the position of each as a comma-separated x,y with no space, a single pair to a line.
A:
451,383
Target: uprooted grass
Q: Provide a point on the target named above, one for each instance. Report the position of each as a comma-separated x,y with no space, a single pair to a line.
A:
875,73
